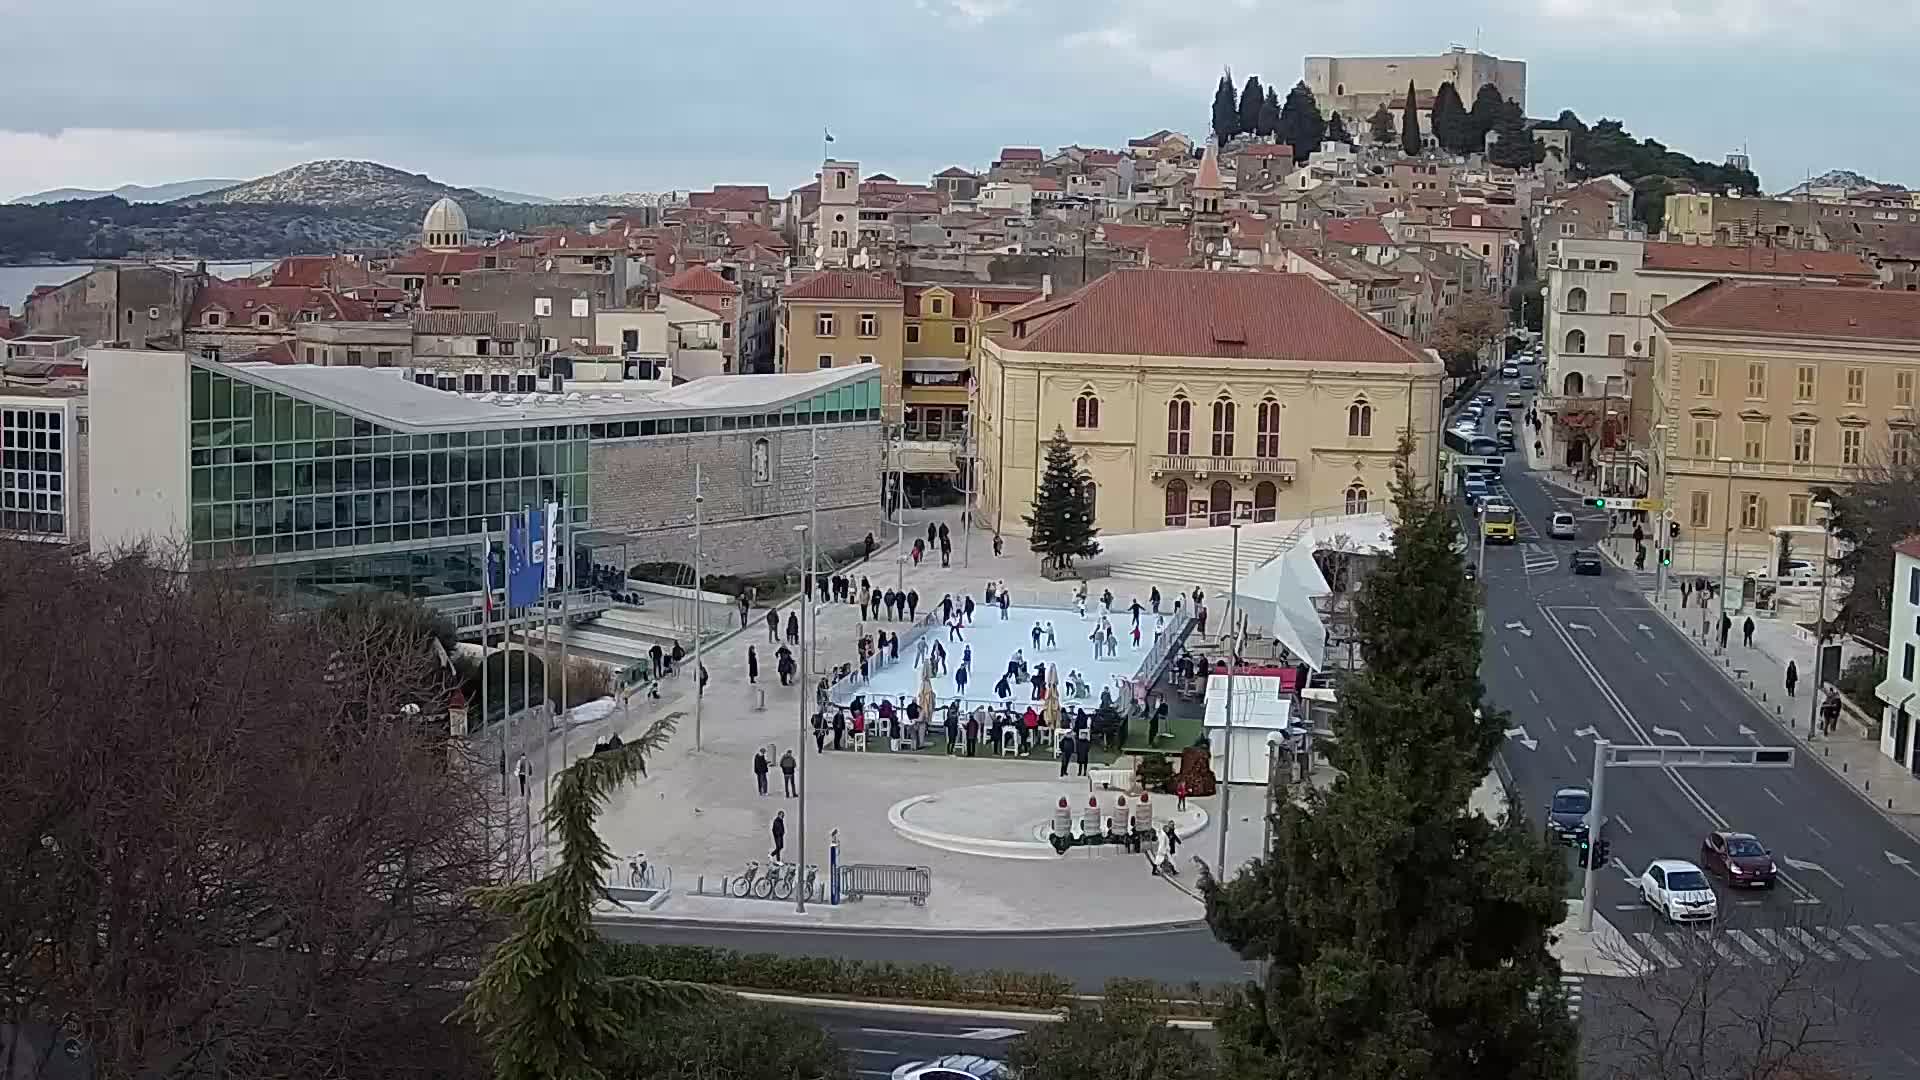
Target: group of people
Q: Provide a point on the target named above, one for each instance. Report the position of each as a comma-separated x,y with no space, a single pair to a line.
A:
762,765
886,721
935,535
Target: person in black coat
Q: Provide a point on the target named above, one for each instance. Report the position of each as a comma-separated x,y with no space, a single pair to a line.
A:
913,603
753,666
760,770
1066,752
1081,747
779,831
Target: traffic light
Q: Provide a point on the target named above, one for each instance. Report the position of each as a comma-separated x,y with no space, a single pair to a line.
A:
1585,850
1600,852
1666,556
1673,530
1597,503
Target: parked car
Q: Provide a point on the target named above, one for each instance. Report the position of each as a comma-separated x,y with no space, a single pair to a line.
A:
1587,562
1795,572
1738,857
1561,526
955,1067
1679,890
1567,814
1526,382
1510,371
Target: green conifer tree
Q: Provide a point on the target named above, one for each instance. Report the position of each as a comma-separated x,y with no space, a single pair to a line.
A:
1061,525
1252,97
1380,125
1410,124
1226,110
1452,128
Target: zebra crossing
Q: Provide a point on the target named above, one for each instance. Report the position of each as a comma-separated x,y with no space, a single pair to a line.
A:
1538,559
1760,946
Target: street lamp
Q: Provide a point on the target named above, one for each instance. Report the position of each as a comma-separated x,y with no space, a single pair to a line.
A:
1820,625
1233,666
1663,541
806,695
699,620
1726,531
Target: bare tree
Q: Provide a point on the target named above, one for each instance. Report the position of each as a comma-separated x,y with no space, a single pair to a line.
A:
1880,508
234,843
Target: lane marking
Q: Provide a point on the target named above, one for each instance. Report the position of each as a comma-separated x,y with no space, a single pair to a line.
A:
1839,939
1710,735
1652,945
1517,671
1819,836
1874,943
1662,678
1771,795
1534,696
1898,938
1505,651
1753,948
1570,756
1683,704
1622,822
1638,657
1812,944
1726,952
1780,944
1551,726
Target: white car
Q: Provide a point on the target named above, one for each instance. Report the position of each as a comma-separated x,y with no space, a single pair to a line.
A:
1796,572
1561,527
1679,890
954,1067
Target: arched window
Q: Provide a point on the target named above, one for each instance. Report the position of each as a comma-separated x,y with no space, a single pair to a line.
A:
1176,502
1086,410
1360,419
1179,426
1356,498
1266,441
1220,503
1265,496
1223,410
1574,385
1576,341
1576,299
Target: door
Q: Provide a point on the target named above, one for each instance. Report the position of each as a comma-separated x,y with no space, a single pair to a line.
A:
1220,503
1901,726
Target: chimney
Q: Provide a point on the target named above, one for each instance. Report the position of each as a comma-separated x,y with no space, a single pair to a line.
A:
1046,286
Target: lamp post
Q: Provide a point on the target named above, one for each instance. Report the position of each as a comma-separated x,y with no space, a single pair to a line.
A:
699,692
1820,626
1233,666
1726,533
1663,541
806,695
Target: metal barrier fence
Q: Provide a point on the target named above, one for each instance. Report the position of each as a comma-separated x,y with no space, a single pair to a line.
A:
881,879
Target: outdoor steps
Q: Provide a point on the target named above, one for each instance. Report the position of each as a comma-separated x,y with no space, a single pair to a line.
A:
615,645
575,647
1210,567
651,624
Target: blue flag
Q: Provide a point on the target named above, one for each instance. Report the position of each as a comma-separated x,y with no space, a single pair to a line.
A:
525,576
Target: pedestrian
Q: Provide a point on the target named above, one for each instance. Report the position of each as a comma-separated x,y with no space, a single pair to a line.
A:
1746,632
1066,752
863,605
893,648
656,658
918,549
1106,601
953,727
1686,590
1180,794
793,628
753,667
1726,626
913,604
966,609
960,680
773,626
868,546
746,607
946,552
819,732
1003,605
779,834
1793,680
996,545
839,728
760,770
933,534
1035,635
806,583
945,536
953,629
946,608
1136,609
787,767
1173,839
702,691
973,734
522,769
1136,635
673,658
1153,724
1081,748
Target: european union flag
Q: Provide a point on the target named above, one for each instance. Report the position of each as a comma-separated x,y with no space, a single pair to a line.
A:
525,576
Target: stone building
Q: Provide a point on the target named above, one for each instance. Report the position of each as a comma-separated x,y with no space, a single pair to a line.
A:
133,307
1354,86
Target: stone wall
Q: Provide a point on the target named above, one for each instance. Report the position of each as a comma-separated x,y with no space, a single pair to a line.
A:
644,488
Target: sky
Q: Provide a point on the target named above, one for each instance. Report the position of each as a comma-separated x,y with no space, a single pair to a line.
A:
571,97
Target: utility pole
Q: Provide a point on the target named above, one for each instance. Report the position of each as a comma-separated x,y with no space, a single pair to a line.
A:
699,692
1820,624
1233,666
810,629
1596,818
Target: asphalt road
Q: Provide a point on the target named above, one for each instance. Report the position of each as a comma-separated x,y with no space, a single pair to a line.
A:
879,1041
1575,658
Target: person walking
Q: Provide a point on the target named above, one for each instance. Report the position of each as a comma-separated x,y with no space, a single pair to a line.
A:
1136,609
1180,794
753,666
960,680
966,610
787,766
946,608
760,770
933,534
1153,599
1081,748
779,831
998,545
1793,678
945,536
745,609
1686,590
793,628
868,545
702,692
946,552
913,604
656,659
919,549
1726,626
522,769
839,728
1066,752
1746,632
1003,605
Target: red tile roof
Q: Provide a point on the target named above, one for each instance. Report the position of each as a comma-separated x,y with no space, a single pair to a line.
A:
1910,547
1044,183
1165,245
1265,150
1103,157
743,198
440,298
844,285
243,299
1209,313
280,352
964,297
1357,232
1208,178
1756,260
1490,217
697,279
1833,312
1021,153
420,263
320,272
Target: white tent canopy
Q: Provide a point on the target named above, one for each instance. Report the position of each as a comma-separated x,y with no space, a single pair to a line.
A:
1261,715
1278,598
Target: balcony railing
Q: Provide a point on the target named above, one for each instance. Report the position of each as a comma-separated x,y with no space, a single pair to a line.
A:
1283,468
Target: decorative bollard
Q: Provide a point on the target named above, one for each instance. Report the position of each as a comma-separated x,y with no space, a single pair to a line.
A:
1090,818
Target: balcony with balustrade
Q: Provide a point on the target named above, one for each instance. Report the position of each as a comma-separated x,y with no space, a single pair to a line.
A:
1201,467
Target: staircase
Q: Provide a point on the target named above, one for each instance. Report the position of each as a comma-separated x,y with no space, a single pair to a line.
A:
1209,567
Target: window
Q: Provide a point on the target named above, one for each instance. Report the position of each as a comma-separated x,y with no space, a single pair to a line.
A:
1703,438
1656,302
760,461
1913,586
212,318
1708,371
1266,440
1086,410
384,358
1755,432
353,358
959,335
1576,341
543,305
1179,426
823,324
1753,511
913,334
1803,443
1906,661
1797,509
1223,416
840,180
1360,420
939,305
1266,498
1576,299
1900,447
263,319
1697,509
1176,502
826,360
869,324
1856,386
1850,446
1616,344
865,359
1356,498
1616,303
1803,383
1903,389
1756,381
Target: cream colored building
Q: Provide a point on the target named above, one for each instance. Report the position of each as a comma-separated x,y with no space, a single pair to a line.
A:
1354,86
838,318
1195,395
1768,390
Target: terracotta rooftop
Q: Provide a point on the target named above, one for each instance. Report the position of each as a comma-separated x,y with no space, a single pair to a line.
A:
456,323
1164,244
1910,547
844,285
954,172
320,272
964,296
1357,232
242,299
1021,153
1208,313
440,298
1834,312
697,279
1265,150
280,352
1755,260
436,262
1208,178
1487,216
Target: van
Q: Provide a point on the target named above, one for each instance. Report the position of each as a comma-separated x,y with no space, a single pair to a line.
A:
1561,527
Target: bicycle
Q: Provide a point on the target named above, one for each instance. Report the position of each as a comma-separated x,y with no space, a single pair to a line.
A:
743,883
639,871
783,886
763,888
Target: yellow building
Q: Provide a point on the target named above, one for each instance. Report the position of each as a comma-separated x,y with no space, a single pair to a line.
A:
944,326
1193,395
836,318
1767,390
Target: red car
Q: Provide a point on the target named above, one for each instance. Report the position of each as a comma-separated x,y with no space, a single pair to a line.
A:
1739,858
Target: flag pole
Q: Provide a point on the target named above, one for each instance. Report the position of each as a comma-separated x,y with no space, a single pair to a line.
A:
565,571
546,679
699,614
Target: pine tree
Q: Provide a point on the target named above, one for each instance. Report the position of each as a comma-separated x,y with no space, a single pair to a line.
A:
1251,98
1488,104
1401,935
1381,125
1226,114
1301,125
1515,147
1061,524
1337,130
1410,124
1270,114
1452,128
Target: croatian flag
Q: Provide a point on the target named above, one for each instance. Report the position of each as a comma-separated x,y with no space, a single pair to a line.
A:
486,576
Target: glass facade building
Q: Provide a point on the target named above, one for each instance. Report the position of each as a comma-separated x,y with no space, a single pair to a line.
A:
34,450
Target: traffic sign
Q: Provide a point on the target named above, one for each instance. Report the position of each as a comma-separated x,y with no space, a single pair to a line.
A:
1610,503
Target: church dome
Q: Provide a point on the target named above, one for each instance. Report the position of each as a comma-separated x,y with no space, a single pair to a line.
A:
445,225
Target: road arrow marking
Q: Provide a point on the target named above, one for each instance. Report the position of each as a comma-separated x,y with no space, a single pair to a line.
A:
1669,733
1749,732
1522,627
1799,864
1644,628
1904,864
1520,733
1584,733
1625,874
1580,626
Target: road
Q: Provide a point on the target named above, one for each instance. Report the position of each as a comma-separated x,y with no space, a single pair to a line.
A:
1578,658
879,1041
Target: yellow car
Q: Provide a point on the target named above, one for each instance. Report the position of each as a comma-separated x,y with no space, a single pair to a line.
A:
1498,525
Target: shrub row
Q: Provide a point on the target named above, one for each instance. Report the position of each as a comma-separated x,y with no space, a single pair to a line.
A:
829,976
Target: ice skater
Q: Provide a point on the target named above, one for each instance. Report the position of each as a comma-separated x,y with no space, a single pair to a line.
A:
1036,637
953,630
1051,643
1136,635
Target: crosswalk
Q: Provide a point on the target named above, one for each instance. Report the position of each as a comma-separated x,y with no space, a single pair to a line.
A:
1760,946
1538,559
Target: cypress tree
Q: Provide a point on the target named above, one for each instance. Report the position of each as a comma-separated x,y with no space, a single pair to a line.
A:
1410,124
1270,114
1226,114
1301,125
1381,124
1402,935
1451,126
1251,98
1488,104
1337,130
1061,525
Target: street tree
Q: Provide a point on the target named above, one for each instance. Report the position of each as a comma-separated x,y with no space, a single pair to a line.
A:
1270,113
1452,128
1488,103
1226,110
1061,524
1252,98
1514,146
1410,141
1880,508
1463,330
241,842
1337,130
1301,125
1400,935
1380,125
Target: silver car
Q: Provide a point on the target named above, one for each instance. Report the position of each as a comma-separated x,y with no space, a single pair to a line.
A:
1561,526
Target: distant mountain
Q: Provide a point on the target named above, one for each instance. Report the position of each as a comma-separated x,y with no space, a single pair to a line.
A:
623,198
517,197
1845,179
133,193
337,184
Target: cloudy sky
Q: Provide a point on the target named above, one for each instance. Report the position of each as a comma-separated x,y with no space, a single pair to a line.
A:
570,97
